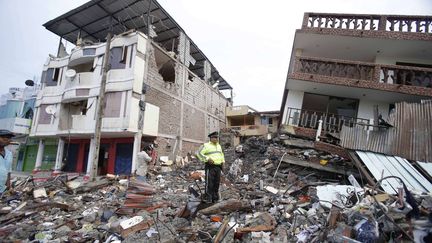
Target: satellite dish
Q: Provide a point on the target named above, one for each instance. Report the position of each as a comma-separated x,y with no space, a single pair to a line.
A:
51,110
29,82
70,73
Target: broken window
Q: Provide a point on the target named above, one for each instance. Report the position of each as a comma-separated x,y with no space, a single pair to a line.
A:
117,58
51,76
83,67
44,117
242,120
112,104
78,108
165,65
167,71
330,104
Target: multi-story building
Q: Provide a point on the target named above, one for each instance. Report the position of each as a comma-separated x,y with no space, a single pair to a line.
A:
250,122
159,87
16,109
349,69
16,114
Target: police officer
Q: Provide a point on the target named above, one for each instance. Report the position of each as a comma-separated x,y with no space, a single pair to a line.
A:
212,155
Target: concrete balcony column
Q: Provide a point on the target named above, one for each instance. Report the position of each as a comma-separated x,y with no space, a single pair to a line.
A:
39,155
59,156
136,150
90,158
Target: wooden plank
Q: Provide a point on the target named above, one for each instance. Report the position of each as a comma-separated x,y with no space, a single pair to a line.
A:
362,169
327,168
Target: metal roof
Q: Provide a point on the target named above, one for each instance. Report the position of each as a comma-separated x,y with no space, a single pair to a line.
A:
426,166
91,21
384,165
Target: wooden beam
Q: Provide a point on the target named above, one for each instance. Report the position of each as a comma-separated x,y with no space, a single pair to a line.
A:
362,169
327,168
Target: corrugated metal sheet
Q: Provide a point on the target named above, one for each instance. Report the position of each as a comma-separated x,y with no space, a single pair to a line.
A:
411,136
382,165
426,166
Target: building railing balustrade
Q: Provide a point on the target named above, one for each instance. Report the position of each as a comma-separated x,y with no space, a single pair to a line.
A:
390,74
330,122
389,23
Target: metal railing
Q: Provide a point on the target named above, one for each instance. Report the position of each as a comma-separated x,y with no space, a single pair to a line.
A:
310,119
389,23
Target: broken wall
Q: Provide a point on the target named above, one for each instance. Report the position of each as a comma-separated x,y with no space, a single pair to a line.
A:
189,107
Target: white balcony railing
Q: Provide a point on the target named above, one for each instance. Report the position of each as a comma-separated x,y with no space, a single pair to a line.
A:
16,125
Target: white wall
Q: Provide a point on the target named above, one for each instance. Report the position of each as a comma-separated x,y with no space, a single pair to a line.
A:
366,109
294,100
151,120
16,125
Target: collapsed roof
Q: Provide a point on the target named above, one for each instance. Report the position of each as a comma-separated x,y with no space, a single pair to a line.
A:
91,21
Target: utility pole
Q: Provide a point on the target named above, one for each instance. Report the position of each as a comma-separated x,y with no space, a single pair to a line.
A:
142,104
100,107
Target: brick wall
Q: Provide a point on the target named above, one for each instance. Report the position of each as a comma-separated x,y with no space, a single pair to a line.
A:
199,101
190,147
169,113
195,92
305,132
193,123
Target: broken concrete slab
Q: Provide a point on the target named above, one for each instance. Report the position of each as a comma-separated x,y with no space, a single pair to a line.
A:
231,205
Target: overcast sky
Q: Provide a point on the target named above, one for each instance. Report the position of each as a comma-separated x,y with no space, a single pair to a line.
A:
248,41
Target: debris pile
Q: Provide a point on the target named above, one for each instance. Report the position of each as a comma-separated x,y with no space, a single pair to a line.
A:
268,194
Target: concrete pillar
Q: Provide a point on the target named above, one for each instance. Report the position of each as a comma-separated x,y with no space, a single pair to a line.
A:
136,149
39,155
59,156
90,157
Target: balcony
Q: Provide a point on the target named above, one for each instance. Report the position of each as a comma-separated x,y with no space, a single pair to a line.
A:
80,123
393,78
79,87
84,79
405,26
240,110
16,125
251,130
330,122
82,55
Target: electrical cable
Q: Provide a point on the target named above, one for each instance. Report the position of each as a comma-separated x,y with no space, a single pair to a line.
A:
226,233
384,211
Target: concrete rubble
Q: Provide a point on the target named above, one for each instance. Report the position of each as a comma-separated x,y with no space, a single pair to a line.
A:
264,199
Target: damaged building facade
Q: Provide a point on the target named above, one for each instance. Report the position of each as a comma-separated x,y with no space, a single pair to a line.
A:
159,87
244,121
351,70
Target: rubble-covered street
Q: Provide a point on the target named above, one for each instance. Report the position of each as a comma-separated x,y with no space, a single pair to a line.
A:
263,199
117,126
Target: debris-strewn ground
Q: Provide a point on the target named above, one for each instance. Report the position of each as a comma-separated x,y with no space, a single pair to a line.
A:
264,199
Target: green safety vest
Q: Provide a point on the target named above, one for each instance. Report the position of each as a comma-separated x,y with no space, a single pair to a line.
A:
211,151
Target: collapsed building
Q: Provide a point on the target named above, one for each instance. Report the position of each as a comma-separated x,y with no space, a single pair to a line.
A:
244,122
305,185
351,70
159,87
363,80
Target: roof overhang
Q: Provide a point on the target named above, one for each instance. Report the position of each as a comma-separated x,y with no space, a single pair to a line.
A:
93,19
